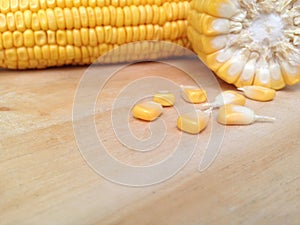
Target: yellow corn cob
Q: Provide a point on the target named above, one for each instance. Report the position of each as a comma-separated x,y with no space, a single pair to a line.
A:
39,33
248,42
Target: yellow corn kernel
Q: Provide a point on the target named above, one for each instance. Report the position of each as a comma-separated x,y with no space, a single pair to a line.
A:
30,53
4,6
7,38
14,5
277,81
34,5
106,16
142,14
239,115
193,122
60,3
20,25
127,16
113,15
3,23
27,19
45,52
84,33
35,23
121,36
69,18
218,58
258,93
291,74
10,19
76,18
51,19
84,20
37,52
135,34
143,32
24,4
193,94
147,111
149,14
233,68
43,5
51,3
53,52
219,8
155,14
62,55
70,52
60,18
91,15
165,98
43,19
135,15
40,37
11,54
225,98
22,54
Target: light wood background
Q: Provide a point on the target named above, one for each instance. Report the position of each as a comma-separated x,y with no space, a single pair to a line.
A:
44,179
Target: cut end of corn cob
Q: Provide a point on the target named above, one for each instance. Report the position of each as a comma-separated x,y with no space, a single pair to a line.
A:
147,111
248,42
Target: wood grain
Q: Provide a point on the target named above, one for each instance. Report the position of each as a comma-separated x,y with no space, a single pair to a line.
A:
44,179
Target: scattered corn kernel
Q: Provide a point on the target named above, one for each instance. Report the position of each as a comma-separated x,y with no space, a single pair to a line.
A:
258,93
239,115
225,98
147,111
193,122
193,94
165,98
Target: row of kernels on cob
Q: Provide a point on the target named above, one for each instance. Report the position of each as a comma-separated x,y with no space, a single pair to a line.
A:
35,5
84,17
93,36
53,55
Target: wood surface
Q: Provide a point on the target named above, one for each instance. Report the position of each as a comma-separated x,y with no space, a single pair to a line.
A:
44,179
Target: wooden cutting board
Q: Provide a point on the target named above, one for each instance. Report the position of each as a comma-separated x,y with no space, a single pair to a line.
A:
44,179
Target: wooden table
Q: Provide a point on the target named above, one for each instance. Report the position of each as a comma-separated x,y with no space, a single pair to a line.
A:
44,179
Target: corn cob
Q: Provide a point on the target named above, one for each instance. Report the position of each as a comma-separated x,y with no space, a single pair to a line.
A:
44,33
248,42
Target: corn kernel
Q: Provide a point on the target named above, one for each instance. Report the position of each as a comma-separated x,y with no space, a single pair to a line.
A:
61,37
193,94
165,98
11,21
7,38
239,115
19,21
193,122
28,38
258,93
147,111
60,18
225,98
27,18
